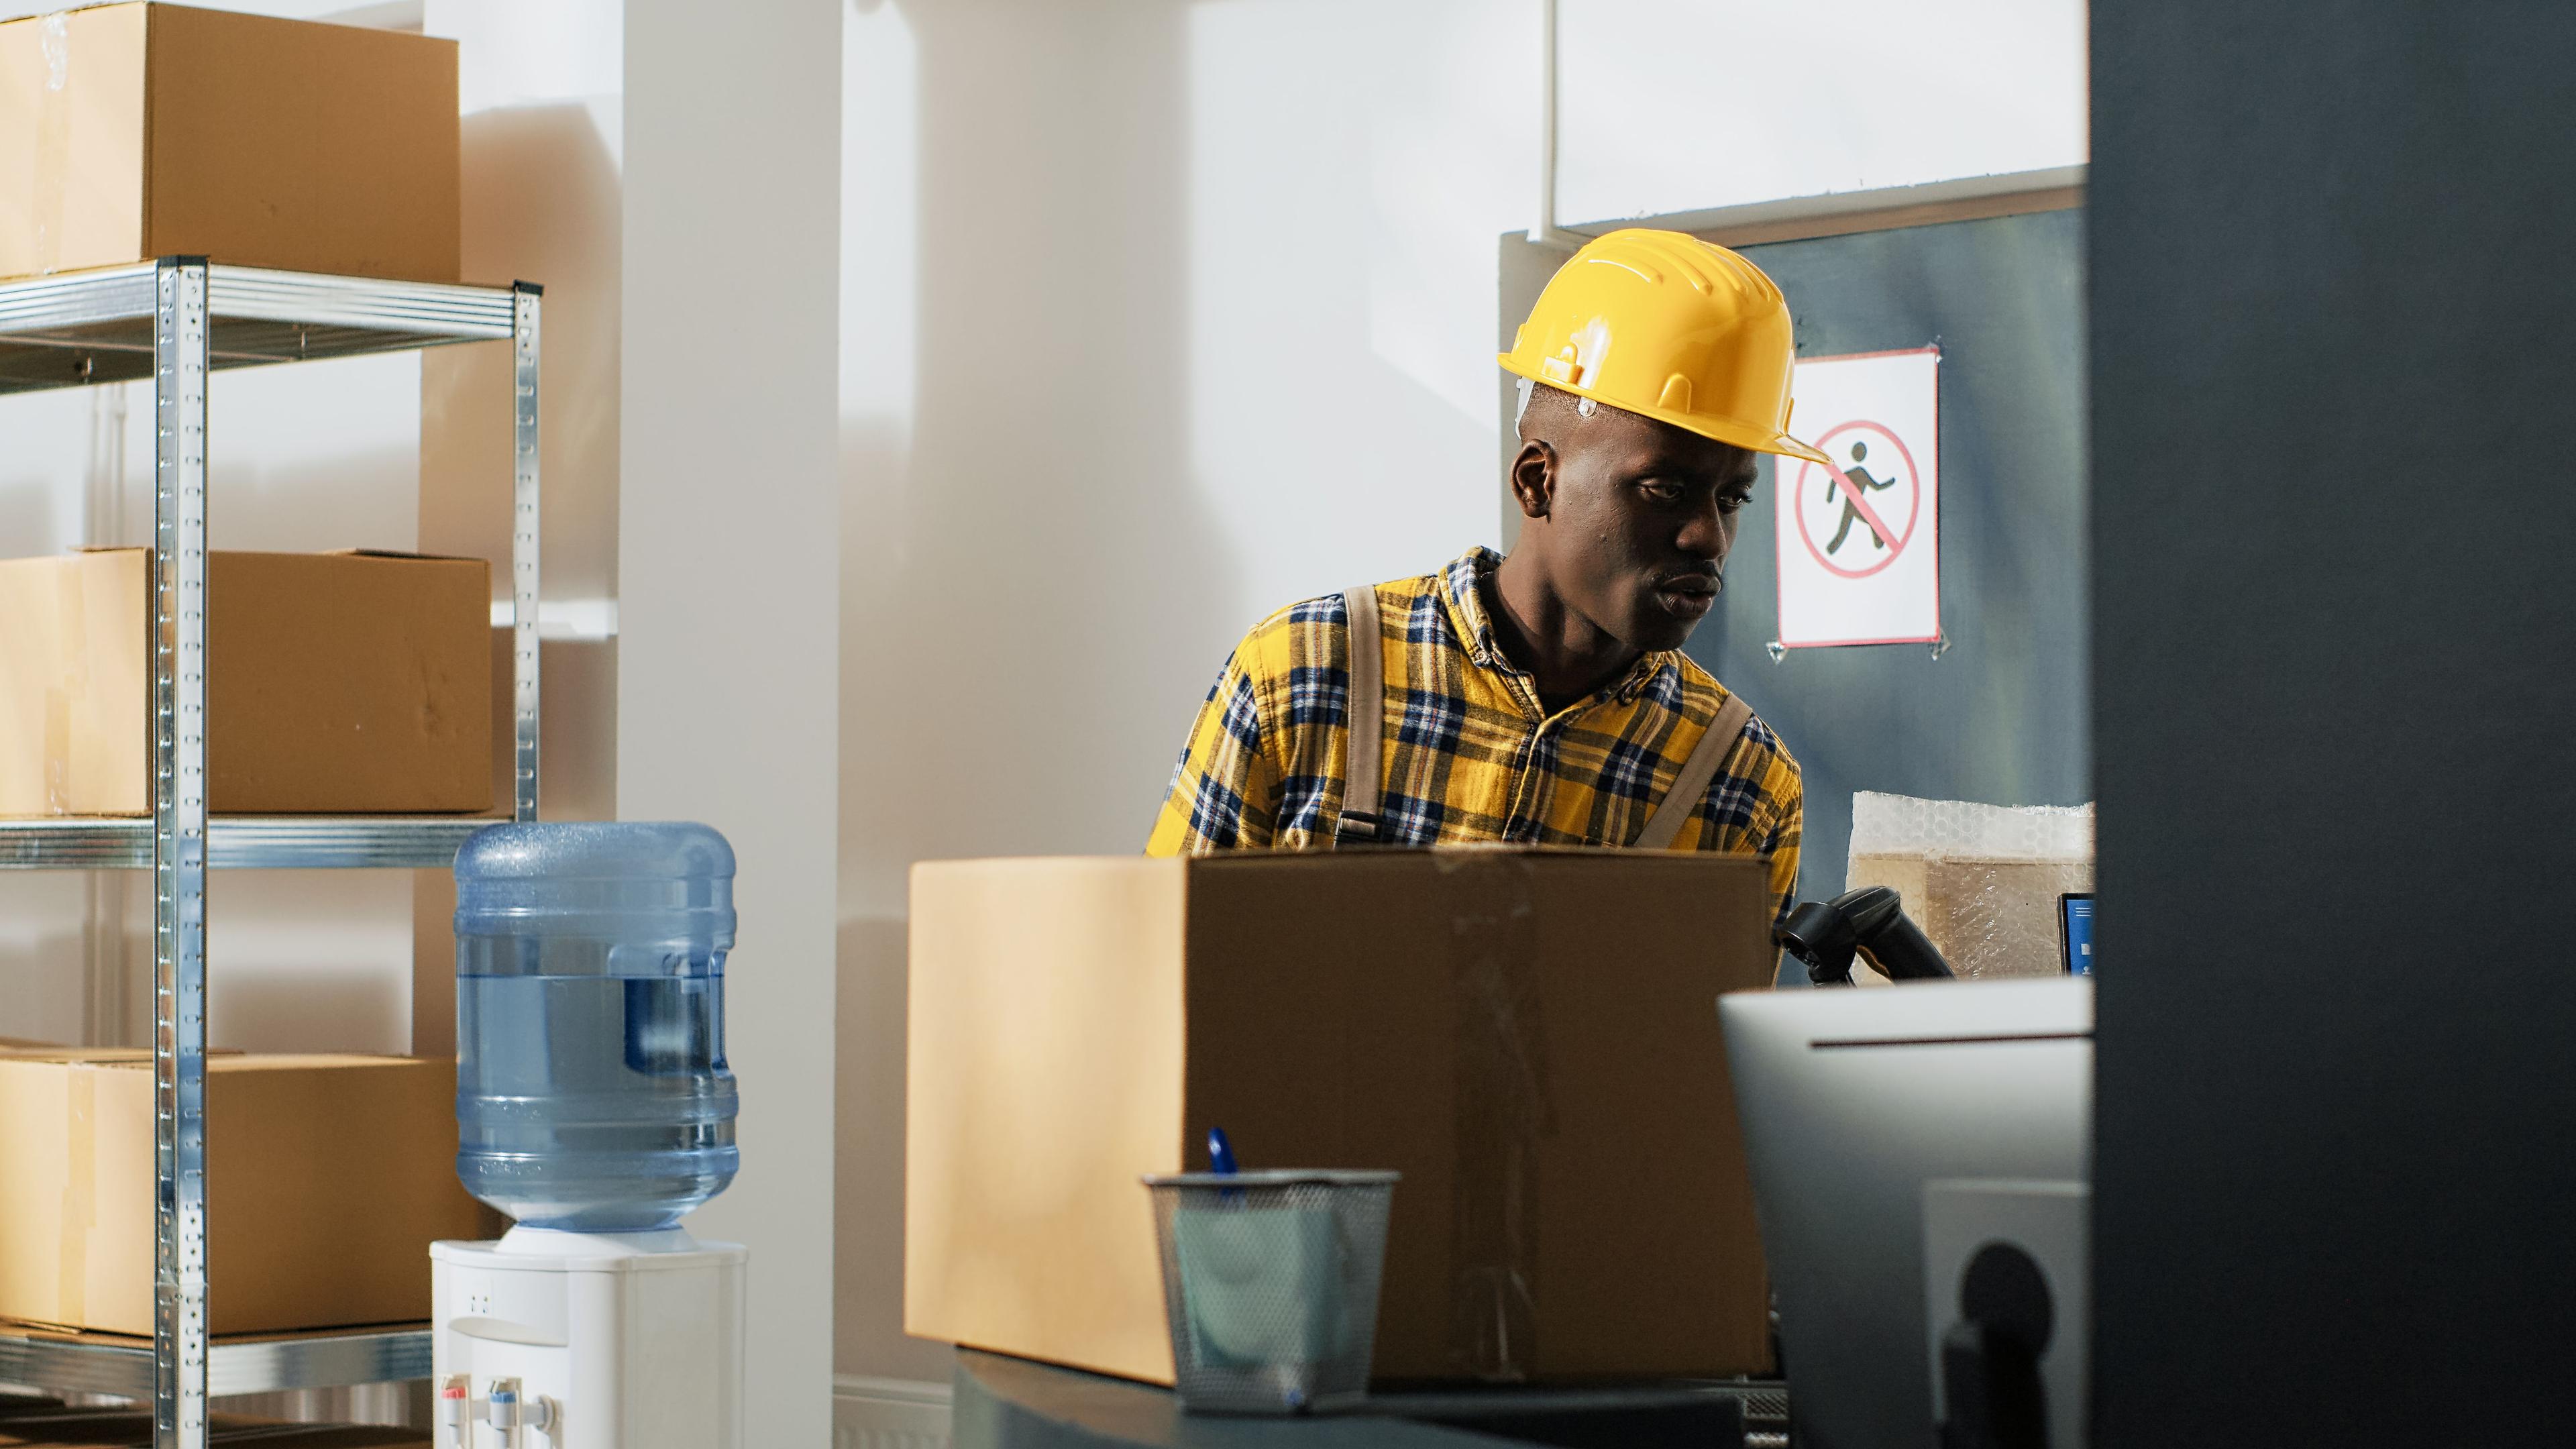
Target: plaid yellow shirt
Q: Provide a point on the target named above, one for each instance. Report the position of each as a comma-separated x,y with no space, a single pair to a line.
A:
1470,753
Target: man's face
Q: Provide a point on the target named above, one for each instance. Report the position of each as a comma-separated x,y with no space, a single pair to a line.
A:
1640,522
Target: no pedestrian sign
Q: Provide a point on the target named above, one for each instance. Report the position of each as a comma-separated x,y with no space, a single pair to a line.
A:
1860,541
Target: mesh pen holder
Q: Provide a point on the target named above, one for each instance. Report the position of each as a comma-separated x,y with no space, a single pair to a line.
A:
1270,1280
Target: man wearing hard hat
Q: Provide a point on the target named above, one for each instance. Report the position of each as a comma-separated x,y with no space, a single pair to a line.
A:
1542,698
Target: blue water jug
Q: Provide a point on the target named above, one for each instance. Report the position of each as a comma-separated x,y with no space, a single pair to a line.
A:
591,1088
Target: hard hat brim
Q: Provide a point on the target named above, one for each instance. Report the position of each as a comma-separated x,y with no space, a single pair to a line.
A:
1724,430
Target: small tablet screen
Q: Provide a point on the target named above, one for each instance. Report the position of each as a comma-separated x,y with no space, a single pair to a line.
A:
2075,931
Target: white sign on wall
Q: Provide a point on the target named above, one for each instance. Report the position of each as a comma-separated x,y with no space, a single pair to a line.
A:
1860,542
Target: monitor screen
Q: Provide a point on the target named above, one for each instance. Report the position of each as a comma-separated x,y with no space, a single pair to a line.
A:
2075,932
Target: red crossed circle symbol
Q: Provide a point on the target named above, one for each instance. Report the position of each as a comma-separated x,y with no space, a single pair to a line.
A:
1894,539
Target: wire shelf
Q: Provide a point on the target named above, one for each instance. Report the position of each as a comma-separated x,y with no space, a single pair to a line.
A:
245,842
87,327
99,1363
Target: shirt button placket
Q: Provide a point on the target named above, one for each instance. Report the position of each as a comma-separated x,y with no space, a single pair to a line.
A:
1529,790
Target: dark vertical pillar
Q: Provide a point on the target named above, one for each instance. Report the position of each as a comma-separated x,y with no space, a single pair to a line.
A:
2333,339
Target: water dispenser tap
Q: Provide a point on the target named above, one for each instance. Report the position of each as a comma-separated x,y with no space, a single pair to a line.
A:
509,1413
501,1406
456,1411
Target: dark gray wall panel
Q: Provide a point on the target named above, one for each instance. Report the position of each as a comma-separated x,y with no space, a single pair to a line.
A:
2333,339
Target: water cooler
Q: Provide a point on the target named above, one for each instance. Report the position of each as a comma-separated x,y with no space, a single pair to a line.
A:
594,1106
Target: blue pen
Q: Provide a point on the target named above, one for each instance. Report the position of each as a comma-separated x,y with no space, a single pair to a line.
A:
1220,1153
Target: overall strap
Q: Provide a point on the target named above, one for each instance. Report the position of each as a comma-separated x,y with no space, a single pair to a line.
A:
1691,785
1366,712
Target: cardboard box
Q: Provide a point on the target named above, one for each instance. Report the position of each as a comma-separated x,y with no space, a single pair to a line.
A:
1530,1037
348,682
129,132
327,1177
1987,916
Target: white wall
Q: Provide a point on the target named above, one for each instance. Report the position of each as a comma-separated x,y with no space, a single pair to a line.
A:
542,133
1684,105
728,571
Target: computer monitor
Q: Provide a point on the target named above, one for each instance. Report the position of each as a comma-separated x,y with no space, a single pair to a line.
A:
1851,1100
2075,932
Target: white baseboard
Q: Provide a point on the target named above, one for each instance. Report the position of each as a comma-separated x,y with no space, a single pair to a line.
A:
874,1413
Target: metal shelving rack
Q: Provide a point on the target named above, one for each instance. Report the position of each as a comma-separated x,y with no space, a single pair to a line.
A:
175,321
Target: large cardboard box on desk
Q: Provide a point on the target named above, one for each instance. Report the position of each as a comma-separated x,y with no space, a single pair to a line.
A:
129,132
1530,1037
327,1178
342,682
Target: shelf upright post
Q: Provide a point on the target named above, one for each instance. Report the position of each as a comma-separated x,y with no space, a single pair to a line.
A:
179,363
526,298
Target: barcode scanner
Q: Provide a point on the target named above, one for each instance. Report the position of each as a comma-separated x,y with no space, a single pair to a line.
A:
1870,923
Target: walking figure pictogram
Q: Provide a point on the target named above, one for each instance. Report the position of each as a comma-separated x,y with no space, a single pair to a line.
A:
1861,482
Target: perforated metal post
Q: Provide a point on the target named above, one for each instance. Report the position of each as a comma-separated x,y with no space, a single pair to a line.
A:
524,530
179,359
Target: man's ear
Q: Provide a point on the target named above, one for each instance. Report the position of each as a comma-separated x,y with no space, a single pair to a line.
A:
1533,478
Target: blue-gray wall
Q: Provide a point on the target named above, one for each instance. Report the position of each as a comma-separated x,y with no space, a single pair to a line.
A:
2000,717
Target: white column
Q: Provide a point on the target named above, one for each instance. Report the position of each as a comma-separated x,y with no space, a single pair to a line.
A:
728,590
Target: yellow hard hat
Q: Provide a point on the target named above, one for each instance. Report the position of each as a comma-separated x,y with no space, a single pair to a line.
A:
1672,328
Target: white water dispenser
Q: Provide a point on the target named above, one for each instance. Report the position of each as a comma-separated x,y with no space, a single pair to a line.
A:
594,1106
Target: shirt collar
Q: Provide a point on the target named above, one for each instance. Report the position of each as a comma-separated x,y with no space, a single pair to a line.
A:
1466,603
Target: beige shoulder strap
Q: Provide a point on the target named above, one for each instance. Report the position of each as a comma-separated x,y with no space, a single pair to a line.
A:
1691,785
1362,782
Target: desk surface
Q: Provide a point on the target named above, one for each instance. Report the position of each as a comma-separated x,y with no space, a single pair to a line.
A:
1010,1403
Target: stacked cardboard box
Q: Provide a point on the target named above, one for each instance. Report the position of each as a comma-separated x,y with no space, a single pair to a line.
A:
352,682
327,1178
129,132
